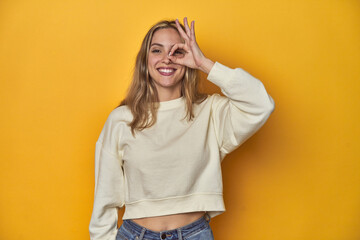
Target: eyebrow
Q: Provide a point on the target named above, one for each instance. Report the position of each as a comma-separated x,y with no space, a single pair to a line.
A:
158,44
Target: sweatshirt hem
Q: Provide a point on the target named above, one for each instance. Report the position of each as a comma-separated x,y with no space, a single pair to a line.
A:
209,202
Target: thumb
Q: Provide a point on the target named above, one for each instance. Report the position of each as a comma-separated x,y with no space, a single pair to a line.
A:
176,60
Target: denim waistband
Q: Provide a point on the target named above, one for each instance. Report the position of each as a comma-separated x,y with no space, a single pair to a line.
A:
177,233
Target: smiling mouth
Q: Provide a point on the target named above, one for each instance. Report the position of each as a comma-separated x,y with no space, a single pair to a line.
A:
166,71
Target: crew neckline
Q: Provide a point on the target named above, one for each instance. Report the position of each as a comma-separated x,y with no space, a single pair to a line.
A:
174,103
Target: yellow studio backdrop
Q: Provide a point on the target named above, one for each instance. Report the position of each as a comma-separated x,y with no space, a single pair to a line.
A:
64,65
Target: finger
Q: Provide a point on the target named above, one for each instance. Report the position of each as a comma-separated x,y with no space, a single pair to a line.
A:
193,30
186,26
181,31
178,46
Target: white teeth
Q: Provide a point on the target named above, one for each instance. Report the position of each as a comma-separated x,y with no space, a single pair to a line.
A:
166,70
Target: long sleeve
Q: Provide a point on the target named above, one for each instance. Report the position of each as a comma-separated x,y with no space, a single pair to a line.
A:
243,111
109,184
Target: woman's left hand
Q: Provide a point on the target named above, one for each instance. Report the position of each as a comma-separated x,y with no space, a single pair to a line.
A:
192,56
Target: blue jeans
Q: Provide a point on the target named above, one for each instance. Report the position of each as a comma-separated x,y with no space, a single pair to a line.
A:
198,230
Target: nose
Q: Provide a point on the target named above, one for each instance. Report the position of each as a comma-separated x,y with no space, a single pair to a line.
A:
166,59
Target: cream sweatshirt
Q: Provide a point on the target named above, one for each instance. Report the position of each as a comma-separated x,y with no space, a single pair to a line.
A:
175,165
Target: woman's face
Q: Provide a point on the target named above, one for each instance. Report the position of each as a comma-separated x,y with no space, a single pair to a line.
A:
166,75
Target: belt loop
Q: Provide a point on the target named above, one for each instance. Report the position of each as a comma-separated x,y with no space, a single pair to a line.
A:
142,234
207,217
179,234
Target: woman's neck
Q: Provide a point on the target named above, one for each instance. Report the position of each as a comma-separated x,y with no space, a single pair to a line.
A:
168,95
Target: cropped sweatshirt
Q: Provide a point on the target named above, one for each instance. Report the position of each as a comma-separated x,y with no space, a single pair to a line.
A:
175,165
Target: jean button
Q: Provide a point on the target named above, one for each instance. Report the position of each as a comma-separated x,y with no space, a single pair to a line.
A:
163,236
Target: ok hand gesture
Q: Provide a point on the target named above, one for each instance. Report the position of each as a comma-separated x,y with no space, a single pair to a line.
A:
192,57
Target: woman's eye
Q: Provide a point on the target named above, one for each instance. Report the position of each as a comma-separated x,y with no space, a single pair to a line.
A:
155,51
178,52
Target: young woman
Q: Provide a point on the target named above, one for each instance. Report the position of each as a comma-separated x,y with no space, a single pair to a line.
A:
159,153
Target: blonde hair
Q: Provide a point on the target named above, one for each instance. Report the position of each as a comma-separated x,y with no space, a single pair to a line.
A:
142,97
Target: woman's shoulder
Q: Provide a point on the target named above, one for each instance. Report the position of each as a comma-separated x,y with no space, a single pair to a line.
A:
116,122
214,98
120,114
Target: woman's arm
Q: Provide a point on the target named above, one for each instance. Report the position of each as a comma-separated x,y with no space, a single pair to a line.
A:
109,184
243,111
246,106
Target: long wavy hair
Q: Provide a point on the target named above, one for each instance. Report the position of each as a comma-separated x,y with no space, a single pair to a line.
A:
142,97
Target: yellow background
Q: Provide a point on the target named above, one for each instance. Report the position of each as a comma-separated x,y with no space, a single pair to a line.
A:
64,65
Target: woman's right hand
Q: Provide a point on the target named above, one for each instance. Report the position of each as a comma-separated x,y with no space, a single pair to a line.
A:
192,56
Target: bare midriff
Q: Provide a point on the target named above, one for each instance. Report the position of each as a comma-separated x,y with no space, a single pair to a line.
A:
168,222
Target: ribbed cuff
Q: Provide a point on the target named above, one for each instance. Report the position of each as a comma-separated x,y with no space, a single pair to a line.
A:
220,75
